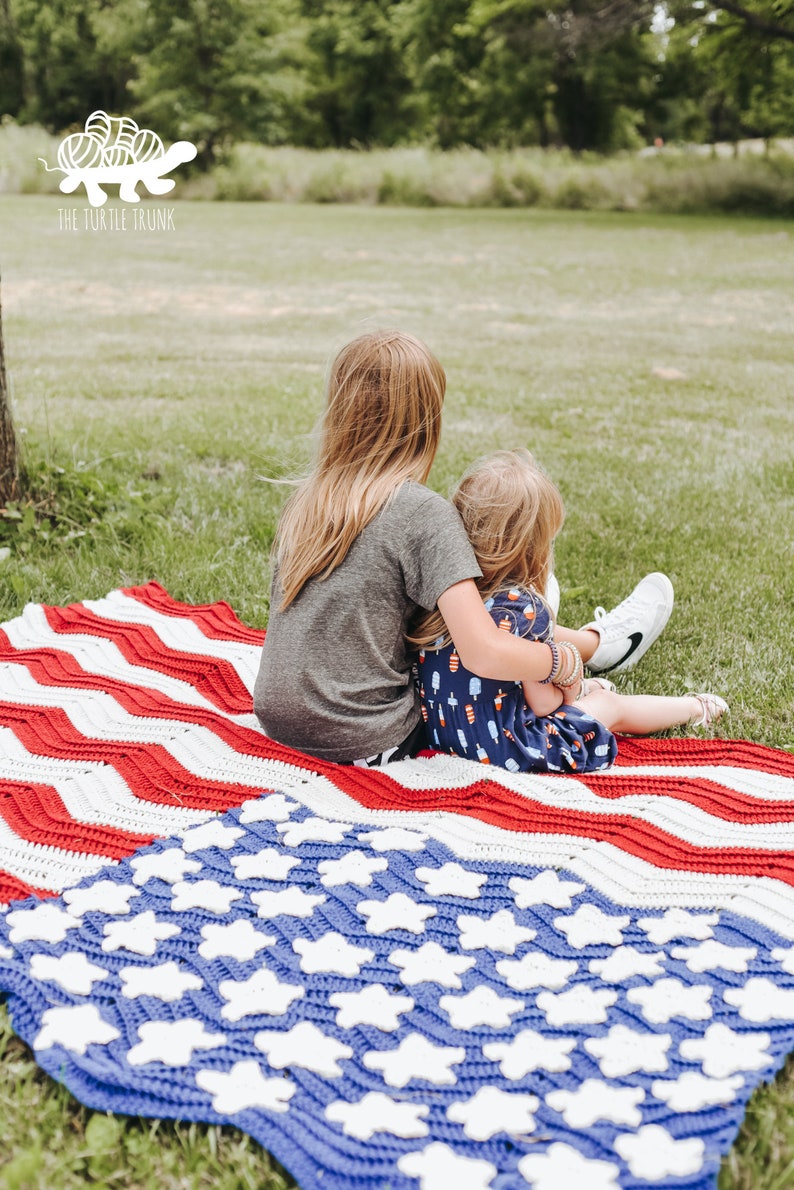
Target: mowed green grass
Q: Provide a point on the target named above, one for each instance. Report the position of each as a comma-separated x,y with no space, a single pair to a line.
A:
646,361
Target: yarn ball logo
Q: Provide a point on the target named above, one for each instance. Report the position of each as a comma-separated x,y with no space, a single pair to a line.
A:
113,149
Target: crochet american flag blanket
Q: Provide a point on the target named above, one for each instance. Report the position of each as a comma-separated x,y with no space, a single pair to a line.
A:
438,974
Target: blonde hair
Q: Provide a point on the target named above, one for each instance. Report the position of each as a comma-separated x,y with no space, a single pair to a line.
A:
381,426
512,512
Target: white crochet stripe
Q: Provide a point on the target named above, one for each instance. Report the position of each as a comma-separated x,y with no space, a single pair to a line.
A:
455,773
624,878
93,792
771,787
100,657
49,868
179,632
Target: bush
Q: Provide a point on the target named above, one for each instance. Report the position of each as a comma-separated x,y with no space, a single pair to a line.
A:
671,181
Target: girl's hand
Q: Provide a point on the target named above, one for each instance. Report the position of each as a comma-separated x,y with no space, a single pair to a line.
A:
571,694
542,698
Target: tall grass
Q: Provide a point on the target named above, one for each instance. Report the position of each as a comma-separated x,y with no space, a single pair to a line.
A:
671,181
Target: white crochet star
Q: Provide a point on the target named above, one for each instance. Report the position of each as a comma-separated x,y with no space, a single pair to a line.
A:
668,998
376,1112
139,934
563,1166
397,912
46,922
491,1111
626,962
267,864
712,954
590,926
306,1046
239,940
311,830
547,888
74,1028
106,896
652,1154
287,902
331,952
261,994
761,1000
594,1100
431,964
394,838
580,1005
373,1005
439,1166
480,1006
167,982
72,971
273,807
692,1091
785,956
172,1042
5,952
623,1051
722,1052
214,833
500,932
355,867
451,880
204,894
536,970
244,1087
678,923
416,1058
528,1051
169,865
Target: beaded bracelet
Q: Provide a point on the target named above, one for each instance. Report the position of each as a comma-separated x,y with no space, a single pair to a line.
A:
556,664
576,672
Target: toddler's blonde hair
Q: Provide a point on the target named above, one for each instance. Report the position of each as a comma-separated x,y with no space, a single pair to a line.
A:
512,512
381,426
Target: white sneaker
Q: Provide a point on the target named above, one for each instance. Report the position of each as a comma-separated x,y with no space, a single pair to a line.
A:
629,630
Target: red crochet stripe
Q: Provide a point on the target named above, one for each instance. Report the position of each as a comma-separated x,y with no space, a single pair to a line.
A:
215,679
38,814
690,750
13,889
216,620
150,771
490,802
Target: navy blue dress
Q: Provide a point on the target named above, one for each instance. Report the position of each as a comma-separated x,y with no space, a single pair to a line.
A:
483,719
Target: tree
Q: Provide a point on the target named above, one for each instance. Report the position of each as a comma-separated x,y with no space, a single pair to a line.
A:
9,449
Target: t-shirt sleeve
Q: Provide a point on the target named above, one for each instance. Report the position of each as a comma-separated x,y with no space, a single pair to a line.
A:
522,613
436,553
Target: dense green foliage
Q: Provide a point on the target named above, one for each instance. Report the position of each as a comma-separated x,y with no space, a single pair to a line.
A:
586,74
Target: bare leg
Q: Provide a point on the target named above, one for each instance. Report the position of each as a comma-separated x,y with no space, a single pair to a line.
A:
585,639
640,714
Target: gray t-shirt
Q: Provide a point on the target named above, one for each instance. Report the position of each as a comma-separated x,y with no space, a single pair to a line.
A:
335,675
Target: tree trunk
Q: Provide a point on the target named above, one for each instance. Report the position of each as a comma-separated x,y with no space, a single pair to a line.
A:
9,449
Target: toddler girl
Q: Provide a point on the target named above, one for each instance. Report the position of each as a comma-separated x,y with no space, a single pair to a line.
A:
512,512
363,548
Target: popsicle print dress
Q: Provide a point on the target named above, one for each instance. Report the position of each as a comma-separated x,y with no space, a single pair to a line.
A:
483,719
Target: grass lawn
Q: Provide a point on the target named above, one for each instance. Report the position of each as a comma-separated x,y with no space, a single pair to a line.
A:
645,360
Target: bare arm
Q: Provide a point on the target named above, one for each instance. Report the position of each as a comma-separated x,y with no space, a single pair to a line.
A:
485,649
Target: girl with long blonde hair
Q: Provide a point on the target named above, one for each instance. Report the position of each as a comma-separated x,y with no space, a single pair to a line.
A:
363,547
512,513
